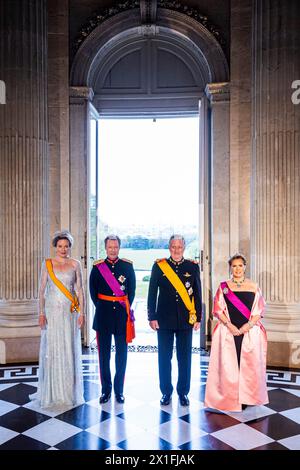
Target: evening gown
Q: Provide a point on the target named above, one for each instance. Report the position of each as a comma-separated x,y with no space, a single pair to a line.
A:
60,370
237,318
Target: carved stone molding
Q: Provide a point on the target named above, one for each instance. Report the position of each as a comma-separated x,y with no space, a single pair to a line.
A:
194,13
148,11
126,26
81,92
103,15
148,15
218,92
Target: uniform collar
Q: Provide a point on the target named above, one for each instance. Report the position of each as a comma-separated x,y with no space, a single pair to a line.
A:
176,263
110,261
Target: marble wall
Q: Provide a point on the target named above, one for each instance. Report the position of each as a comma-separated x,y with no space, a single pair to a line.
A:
254,166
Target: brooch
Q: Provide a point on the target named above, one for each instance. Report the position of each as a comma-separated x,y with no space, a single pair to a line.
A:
121,278
225,290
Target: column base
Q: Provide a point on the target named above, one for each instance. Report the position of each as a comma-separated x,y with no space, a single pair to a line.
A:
19,349
284,354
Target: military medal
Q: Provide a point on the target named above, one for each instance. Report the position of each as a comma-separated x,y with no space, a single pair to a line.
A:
122,278
122,287
187,274
187,285
190,291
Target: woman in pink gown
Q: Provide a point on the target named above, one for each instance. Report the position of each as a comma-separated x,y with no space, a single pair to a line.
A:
237,367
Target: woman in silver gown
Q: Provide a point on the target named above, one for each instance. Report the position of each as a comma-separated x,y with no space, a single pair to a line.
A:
60,371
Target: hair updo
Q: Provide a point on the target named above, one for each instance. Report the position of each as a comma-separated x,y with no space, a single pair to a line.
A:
237,256
62,235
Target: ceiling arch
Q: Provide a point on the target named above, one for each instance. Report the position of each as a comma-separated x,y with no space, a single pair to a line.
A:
148,66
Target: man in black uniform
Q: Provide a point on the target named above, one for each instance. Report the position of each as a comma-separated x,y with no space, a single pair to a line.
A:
111,316
176,312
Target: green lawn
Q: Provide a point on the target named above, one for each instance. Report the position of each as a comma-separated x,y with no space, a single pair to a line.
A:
143,259
141,290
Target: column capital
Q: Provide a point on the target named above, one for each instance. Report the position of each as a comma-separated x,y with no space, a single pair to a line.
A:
81,93
218,92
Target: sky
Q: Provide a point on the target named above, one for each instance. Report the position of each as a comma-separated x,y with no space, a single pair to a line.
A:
148,171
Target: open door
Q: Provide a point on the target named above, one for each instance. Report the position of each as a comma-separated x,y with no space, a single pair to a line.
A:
204,217
91,241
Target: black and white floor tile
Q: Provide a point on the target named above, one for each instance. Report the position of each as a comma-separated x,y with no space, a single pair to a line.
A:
141,423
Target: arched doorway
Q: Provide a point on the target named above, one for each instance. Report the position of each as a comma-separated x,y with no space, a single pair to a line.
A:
152,63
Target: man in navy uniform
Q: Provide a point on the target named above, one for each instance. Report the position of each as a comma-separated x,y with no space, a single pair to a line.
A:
174,310
108,279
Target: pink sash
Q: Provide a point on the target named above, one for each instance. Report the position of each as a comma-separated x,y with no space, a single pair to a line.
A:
114,285
235,300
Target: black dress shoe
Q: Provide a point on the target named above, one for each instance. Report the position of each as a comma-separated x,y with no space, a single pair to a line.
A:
104,398
165,400
120,398
183,400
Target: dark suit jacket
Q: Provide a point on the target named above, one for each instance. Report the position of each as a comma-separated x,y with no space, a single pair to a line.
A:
168,308
110,317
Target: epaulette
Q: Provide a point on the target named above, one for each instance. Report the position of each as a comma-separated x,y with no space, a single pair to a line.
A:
192,260
98,261
160,259
127,260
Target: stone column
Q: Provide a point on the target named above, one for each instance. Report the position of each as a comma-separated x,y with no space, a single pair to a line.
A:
58,114
218,94
276,172
80,98
23,174
240,125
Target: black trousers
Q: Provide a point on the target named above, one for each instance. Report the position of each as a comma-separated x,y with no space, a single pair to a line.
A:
104,352
184,359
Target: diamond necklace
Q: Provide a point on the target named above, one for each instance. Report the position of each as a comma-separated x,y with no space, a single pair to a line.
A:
238,283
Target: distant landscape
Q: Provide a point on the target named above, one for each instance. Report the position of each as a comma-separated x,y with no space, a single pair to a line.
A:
143,259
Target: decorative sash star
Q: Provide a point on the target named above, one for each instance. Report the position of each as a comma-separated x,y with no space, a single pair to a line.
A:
122,278
225,290
187,284
187,274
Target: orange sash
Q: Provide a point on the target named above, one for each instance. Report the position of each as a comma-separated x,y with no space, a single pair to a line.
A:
73,298
180,288
130,330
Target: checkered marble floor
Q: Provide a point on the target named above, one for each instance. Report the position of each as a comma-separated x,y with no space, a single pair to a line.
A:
141,423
